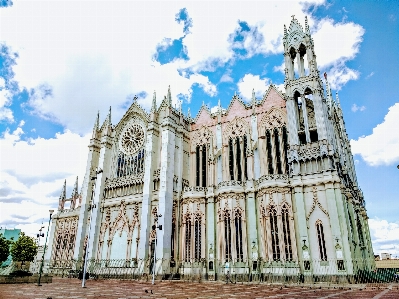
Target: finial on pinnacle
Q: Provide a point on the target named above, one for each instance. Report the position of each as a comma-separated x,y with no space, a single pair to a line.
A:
293,17
337,98
307,25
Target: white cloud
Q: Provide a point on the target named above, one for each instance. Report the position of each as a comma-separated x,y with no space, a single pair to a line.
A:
92,56
249,82
5,95
370,75
384,236
381,147
336,42
339,74
32,173
356,108
226,77
6,114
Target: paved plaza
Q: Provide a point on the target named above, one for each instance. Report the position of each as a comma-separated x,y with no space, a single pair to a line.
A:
121,289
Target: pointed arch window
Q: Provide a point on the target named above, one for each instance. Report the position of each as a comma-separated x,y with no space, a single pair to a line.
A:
285,147
130,165
321,240
278,153
237,158
197,165
360,231
269,152
227,237
274,233
286,233
188,239
197,237
201,164
238,231
173,239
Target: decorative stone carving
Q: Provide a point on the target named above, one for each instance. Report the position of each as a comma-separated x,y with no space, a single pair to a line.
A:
132,138
308,151
275,119
233,196
272,177
316,203
193,200
202,136
194,189
236,128
232,184
272,190
124,181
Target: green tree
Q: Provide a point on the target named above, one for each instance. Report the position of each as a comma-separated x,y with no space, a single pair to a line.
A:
24,249
4,249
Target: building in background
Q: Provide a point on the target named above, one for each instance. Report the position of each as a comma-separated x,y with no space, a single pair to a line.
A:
263,184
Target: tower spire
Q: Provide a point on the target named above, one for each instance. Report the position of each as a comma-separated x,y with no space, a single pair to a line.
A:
96,125
62,198
109,116
169,97
154,102
307,30
337,99
75,192
329,96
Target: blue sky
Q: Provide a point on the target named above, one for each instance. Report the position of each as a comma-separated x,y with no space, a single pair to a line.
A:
62,61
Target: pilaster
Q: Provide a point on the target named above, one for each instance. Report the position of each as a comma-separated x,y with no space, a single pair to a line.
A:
145,220
87,190
298,207
166,193
104,164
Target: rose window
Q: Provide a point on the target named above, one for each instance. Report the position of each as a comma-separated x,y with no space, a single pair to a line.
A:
132,139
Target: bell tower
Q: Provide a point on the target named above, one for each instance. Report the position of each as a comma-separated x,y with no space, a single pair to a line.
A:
304,89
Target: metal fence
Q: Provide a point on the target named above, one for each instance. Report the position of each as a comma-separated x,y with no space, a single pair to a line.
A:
330,272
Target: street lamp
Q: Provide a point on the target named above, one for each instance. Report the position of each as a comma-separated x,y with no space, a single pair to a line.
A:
40,234
92,206
154,227
44,251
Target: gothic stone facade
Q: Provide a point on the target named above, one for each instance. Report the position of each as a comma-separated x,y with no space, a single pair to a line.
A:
272,180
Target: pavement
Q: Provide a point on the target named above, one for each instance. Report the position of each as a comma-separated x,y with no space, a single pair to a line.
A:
122,289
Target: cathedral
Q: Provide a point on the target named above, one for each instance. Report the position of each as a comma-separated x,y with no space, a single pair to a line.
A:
267,182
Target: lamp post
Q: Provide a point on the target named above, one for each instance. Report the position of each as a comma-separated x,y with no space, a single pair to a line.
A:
44,250
92,206
154,227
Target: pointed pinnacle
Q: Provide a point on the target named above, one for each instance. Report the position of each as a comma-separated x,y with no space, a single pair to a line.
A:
109,115
337,98
154,102
96,122
169,96
285,31
63,192
306,25
75,188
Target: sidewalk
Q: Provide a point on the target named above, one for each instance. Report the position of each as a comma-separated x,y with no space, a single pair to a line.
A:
122,289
